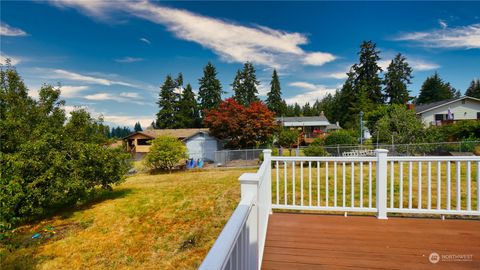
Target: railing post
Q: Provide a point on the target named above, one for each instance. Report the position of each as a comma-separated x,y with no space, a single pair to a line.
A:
267,158
249,189
381,183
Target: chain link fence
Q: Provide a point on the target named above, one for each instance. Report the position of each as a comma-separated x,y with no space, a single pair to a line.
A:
237,158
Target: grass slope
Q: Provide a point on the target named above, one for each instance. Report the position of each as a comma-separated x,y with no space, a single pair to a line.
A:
148,222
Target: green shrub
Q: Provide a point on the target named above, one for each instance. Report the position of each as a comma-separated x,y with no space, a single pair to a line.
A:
315,151
340,137
165,153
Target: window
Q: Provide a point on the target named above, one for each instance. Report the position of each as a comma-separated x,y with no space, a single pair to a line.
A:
478,115
439,117
463,101
143,141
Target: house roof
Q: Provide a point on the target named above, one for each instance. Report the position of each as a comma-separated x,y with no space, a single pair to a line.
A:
430,106
181,133
302,119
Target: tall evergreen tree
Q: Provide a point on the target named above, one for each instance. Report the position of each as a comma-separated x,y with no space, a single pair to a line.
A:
187,116
167,103
210,89
274,100
435,89
138,127
367,72
245,85
474,89
398,75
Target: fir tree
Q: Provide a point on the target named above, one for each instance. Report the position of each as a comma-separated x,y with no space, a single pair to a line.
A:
187,116
245,85
210,89
167,103
474,89
398,75
274,100
367,72
435,89
138,127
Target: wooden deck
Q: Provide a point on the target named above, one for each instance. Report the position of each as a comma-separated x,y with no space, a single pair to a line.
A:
303,241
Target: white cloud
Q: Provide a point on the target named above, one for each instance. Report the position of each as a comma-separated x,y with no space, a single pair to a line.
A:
462,37
7,30
129,59
122,97
113,119
146,41
13,60
416,64
69,91
443,24
315,92
72,76
232,42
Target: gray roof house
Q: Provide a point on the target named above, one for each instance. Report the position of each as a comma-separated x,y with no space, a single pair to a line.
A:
448,111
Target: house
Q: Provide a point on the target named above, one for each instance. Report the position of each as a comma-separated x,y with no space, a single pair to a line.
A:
311,126
200,144
449,111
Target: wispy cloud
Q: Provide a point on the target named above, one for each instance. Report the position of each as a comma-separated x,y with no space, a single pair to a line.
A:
7,30
69,91
443,24
13,59
314,92
127,97
416,64
462,37
129,59
113,119
231,41
73,76
146,41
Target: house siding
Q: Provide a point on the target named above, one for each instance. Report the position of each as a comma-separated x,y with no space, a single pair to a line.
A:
460,111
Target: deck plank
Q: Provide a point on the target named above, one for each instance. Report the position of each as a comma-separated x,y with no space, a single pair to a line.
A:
302,241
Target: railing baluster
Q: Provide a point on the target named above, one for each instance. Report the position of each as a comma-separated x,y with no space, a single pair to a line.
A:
293,182
278,179
361,183
285,180
343,185
369,184
448,185
439,185
429,185
326,183
301,183
459,198
310,183
352,189
478,185
419,195
469,191
400,198
391,183
410,185
318,183
335,184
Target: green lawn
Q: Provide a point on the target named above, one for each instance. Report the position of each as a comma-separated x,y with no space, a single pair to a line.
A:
148,222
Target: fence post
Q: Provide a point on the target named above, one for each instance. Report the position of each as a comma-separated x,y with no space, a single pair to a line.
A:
381,183
249,189
267,158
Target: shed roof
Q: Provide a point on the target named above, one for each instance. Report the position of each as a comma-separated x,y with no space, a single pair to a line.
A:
180,133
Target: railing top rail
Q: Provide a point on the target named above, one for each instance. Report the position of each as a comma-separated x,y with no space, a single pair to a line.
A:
323,159
433,158
218,256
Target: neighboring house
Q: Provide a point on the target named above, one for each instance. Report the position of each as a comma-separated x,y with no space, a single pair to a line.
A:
311,126
200,145
449,111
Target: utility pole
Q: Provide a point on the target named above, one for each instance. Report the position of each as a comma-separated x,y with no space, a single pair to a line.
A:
361,127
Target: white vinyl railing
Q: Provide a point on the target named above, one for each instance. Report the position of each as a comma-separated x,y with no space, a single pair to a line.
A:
380,184
241,242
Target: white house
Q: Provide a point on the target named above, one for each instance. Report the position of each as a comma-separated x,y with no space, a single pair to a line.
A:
311,126
200,144
448,111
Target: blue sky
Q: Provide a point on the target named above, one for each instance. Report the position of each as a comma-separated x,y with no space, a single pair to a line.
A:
111,57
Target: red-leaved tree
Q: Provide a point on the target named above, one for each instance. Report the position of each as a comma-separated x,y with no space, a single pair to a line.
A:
239,126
